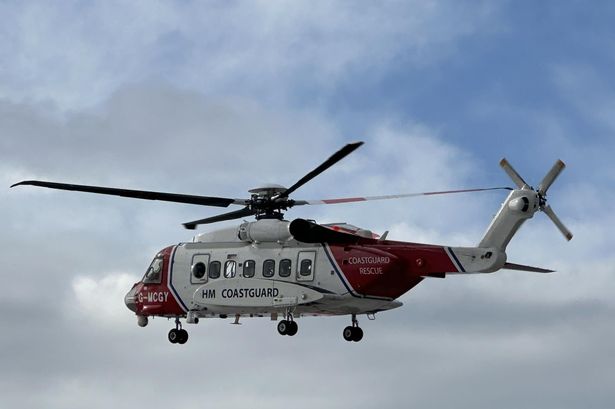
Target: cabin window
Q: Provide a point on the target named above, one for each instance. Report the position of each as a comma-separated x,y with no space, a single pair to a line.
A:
153,273
306,267
249,267
285,267
229,268
214,269
268,268
198,270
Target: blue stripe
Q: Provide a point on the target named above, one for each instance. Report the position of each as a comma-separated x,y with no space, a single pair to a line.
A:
338,273
456,260
177,297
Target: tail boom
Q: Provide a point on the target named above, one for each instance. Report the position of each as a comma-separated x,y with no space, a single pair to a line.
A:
519,206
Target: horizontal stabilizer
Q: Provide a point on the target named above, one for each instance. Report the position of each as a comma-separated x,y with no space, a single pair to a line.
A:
521,267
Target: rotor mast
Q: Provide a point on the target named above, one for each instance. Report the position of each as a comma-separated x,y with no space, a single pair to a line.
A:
264,206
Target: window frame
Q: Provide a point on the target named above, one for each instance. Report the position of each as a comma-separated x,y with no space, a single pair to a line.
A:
303,262
200,258
268,261
253,268
210,269
289,269
228,264
303,274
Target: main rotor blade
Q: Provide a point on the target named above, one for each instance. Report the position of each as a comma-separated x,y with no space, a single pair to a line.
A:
336,157
551,176
237,214
512,173
139,194
385,197
549,212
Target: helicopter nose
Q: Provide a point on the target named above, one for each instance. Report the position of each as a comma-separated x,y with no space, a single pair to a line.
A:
130,299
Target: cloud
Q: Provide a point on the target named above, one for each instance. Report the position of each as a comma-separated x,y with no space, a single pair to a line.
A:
171,140
153,131
587,90
75,54
217,99
515,322
100,299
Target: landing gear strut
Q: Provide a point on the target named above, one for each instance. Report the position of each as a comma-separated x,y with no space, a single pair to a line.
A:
353,332
288,326
178,335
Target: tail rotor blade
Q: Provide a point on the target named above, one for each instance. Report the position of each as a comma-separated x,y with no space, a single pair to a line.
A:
551,176
513,173
549,212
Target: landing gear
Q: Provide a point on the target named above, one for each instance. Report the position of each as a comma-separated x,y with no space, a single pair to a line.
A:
288,326
353,332
178,335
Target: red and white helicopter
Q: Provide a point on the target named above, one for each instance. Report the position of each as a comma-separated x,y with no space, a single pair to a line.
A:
276,268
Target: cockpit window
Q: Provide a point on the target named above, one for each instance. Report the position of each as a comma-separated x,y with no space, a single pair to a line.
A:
153,273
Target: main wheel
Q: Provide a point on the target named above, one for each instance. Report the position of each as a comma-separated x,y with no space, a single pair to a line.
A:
348,333
292,328
182,336
173,336
283,327
357,334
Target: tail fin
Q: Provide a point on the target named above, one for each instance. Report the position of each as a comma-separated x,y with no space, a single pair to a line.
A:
520,205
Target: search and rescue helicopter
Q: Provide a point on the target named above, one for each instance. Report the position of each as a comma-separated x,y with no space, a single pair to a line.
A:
276,268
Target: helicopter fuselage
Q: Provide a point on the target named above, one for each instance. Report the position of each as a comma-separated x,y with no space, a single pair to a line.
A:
221,275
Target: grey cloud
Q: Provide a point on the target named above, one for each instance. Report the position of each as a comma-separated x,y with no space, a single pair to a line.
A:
508,340
164,134
76,55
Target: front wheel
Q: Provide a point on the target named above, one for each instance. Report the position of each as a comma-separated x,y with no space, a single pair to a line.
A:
348,333
182,336
358,334
283,327
174,336
292,328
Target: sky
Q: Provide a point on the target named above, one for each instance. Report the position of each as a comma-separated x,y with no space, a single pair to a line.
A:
215,98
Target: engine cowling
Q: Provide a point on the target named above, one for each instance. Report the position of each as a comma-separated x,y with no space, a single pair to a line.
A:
265,230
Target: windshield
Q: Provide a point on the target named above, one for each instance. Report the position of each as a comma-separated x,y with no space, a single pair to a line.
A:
152,275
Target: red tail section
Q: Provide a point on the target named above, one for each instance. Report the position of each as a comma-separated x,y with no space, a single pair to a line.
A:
389,270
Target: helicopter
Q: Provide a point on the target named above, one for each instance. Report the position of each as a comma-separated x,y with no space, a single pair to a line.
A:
272,267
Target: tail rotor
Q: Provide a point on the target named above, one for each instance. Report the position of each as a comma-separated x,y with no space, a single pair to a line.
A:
541,192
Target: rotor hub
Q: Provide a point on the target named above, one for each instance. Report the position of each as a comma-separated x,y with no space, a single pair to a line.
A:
542,200
268,190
